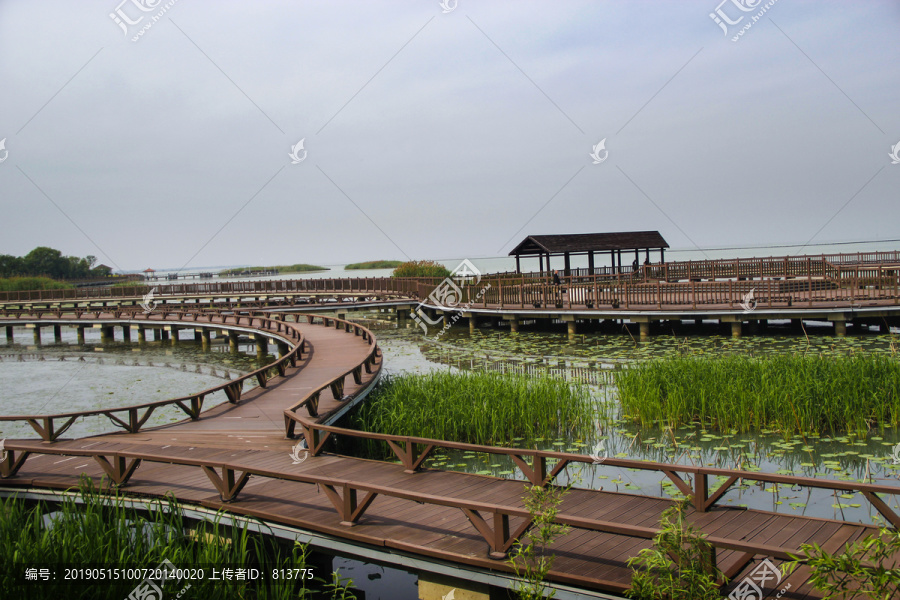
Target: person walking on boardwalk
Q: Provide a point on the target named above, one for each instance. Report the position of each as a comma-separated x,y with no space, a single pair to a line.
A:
556,280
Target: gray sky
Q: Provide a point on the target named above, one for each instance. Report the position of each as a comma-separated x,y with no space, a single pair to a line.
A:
439,135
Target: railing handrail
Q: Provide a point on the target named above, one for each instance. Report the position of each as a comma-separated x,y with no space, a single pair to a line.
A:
500,539
537,475
232,388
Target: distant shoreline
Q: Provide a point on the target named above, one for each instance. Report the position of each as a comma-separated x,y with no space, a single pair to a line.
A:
277,269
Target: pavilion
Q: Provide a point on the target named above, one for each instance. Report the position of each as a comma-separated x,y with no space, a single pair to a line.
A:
591,244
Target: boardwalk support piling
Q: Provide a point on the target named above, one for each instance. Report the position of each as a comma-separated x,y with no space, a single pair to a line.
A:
119,470
227,486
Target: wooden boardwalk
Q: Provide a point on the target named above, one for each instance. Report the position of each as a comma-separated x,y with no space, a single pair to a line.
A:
237,458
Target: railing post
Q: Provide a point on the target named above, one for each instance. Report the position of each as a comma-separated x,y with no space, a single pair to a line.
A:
701,491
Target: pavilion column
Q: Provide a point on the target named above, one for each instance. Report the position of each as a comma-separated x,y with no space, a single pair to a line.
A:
619,252
541,263
567,266
518,267
591,262
662,255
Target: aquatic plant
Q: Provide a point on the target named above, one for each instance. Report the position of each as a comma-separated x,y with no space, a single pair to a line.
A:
91,531
787,393
476,407
866,568
677,566
529,557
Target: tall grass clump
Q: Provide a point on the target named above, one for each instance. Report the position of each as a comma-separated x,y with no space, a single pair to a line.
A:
803,394
420,268
476,407
22,284
102,531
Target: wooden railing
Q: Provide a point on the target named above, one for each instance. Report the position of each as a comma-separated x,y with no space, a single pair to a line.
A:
336,384
861,284
776,282
135,416
413,451
492,521
349,285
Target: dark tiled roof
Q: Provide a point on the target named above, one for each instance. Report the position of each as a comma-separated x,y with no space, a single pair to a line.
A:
586,242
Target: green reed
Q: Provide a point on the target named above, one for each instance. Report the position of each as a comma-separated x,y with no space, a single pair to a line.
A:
786,393
101,531
477,407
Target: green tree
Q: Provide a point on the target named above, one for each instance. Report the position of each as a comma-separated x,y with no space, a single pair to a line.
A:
45,261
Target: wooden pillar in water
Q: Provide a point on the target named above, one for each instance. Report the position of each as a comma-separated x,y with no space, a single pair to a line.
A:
9,334
57,333
126,333
262,345
37,335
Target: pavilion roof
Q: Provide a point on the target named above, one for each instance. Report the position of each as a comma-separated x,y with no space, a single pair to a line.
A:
589,242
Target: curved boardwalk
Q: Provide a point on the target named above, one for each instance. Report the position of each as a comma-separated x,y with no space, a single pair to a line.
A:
236,458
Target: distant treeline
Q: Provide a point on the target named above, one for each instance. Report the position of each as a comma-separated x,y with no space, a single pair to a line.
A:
374,264
49,262
300,268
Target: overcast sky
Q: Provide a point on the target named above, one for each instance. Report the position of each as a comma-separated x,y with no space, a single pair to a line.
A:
432,134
